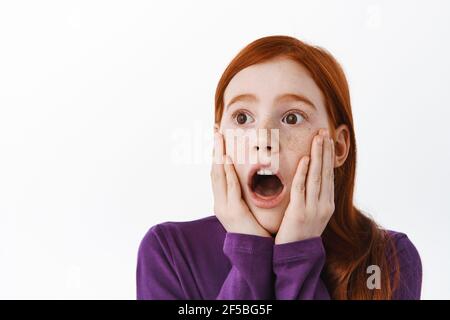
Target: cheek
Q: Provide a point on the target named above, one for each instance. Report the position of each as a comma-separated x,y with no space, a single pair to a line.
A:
298,142
294,146
237,147
241,174
240,144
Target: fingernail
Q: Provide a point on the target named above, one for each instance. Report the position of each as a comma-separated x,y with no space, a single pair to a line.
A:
320,140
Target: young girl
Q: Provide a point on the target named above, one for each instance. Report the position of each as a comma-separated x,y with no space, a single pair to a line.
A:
287,230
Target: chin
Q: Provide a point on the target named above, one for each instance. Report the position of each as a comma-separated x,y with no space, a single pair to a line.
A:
269,219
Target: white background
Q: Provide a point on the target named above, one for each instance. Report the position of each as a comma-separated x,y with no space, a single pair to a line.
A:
98,99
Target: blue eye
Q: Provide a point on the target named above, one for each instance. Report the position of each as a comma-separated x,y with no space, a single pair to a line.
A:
242,118
293,118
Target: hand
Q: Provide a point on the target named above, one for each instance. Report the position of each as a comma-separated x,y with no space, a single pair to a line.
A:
312,198
229,207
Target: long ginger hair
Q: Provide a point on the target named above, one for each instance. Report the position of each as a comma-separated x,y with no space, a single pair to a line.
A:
351,239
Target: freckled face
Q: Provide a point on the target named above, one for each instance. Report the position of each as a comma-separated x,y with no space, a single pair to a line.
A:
278,94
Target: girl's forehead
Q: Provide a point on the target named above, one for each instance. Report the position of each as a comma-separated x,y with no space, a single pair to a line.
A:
270,80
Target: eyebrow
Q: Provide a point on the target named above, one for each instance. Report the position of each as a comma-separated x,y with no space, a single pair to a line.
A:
282,97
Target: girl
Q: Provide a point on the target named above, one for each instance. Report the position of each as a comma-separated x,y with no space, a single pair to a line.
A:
287,230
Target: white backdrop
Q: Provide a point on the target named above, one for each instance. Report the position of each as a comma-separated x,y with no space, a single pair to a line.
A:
106,111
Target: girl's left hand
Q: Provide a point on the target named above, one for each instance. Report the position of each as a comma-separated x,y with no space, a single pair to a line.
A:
312,193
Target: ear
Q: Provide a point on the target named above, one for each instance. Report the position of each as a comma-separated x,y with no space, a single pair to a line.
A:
341,145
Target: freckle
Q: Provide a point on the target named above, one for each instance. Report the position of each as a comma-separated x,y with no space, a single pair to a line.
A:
292,142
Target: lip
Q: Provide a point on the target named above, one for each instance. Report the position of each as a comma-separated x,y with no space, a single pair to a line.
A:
261,201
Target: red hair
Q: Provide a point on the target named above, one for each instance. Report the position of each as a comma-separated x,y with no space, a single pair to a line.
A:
352,240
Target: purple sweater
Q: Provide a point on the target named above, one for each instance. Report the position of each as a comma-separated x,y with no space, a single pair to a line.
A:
199,260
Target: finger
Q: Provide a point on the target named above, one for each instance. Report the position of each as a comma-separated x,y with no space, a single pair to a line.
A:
233,186
217,173
327,170
298,189
214,135
219,148
313,179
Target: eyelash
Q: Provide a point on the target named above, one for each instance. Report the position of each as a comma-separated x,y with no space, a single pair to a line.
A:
303,114
237,112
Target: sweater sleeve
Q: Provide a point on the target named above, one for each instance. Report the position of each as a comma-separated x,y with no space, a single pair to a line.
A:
250,276
297,266
410,281
156,278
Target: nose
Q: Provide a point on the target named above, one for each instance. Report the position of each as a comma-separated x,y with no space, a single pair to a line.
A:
269,148
266,148
266,141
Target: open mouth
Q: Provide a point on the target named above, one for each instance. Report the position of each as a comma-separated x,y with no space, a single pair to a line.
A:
266,184
266,188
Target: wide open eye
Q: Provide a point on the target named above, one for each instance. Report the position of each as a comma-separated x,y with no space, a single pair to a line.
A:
242,118
293,118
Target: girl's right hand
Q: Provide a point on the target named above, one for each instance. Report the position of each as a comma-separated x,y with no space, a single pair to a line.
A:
229,207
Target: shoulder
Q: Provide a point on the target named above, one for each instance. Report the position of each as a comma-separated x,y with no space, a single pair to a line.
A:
167,234
409,265
403,246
